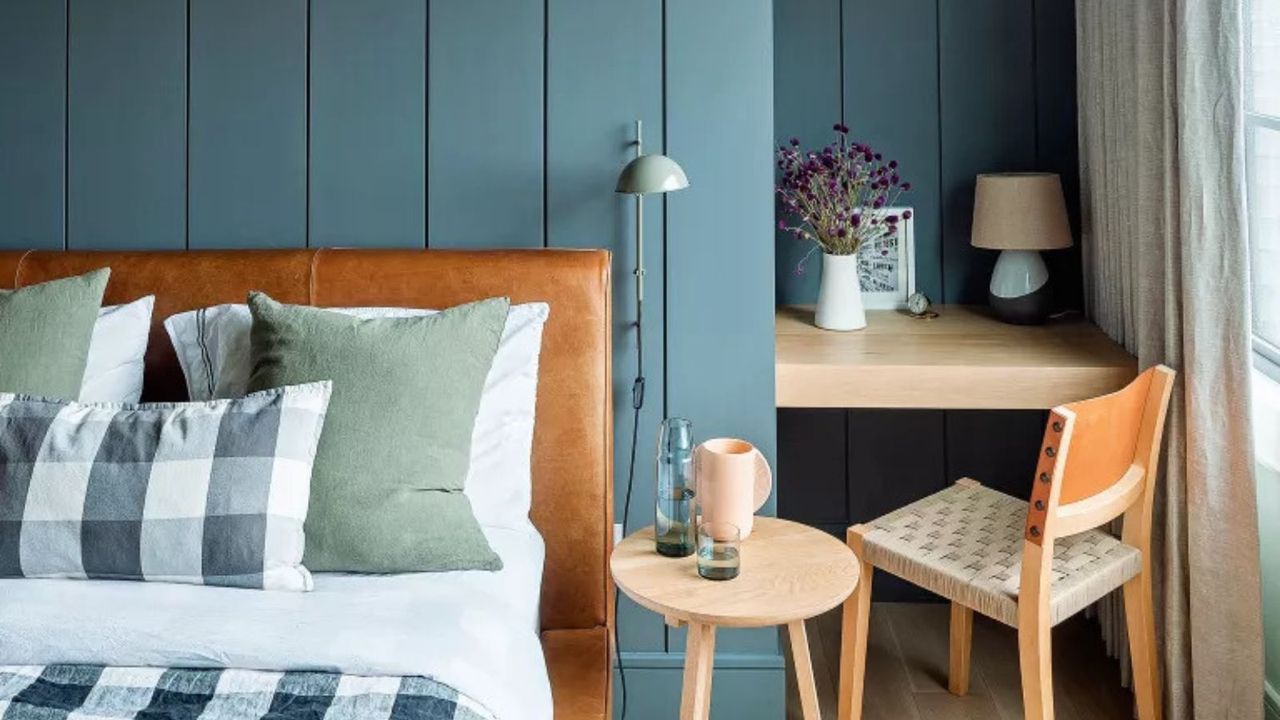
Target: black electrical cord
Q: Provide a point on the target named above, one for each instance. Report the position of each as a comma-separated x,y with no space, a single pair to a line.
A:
626,506
637,402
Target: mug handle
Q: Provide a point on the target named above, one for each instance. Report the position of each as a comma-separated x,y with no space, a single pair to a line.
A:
696,470
763,480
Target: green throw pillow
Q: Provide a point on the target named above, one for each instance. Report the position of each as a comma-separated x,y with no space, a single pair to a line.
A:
386,491
44,334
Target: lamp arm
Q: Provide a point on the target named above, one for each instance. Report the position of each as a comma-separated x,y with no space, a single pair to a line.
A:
637,388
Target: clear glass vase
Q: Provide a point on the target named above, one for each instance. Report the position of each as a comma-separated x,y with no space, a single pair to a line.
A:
674,528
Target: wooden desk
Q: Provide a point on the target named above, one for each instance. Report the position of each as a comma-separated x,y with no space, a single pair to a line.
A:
961,359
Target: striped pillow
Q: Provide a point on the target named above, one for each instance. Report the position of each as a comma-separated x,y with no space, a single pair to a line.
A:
211,493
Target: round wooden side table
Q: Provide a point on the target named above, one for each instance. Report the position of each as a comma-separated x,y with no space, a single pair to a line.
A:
790,572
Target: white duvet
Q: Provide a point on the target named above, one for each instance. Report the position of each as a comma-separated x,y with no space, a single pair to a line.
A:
474,631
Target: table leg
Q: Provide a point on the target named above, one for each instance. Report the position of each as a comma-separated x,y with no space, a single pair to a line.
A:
699,658
804,670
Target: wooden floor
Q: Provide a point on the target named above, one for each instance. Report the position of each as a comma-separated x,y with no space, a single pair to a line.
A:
907,669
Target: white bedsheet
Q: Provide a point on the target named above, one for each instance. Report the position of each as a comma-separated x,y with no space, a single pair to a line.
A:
474,631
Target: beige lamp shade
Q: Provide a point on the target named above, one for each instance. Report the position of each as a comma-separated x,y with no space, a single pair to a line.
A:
1020,211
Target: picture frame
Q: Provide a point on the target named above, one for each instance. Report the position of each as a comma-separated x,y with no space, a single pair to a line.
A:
886,267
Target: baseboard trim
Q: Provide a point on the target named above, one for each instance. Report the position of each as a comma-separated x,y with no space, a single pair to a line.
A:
1270,701
739,661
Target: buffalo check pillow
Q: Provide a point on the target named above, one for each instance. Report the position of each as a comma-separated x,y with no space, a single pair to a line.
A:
211,493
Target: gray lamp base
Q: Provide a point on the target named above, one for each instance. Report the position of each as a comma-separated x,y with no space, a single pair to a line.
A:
1030,309
1020,292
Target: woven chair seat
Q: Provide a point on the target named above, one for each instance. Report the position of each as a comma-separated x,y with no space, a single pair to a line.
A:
965,544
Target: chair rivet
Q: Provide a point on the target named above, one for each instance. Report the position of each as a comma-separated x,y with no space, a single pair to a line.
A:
1044,477
1050,451
1039,504
1057,426
1035,531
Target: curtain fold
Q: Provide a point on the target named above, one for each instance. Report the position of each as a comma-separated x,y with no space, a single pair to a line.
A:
1165,252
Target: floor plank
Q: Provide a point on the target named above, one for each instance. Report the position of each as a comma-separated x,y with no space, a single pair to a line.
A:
944,706
922,633
907,669
888,694
995,657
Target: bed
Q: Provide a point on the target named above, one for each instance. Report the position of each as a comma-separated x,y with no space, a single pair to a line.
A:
514,644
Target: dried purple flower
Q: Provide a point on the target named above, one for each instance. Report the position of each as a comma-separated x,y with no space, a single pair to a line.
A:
835,195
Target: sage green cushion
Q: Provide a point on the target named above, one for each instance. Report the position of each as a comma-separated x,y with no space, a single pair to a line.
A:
44,334
386,489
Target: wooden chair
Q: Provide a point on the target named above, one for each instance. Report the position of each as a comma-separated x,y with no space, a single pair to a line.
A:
1031,566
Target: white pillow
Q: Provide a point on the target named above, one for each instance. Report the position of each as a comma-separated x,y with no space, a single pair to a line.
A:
213,348
113,372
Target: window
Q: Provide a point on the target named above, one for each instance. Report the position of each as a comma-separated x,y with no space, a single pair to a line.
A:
1262,150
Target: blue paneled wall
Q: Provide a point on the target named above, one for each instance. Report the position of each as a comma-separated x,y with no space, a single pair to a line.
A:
171,124
950,88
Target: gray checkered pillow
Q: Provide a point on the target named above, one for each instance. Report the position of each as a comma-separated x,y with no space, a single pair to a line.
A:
211,493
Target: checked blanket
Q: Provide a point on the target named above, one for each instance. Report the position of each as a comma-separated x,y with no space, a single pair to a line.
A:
88,692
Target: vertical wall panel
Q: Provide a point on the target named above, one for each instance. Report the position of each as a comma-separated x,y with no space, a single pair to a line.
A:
998,448
811,456
720,266
127,126
988,121
719,243
248,126
1056,132
368,123
33,87
806,101
485,169
604,71
891,102
895,457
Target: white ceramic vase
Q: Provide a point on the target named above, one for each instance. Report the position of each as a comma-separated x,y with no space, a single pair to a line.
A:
840,294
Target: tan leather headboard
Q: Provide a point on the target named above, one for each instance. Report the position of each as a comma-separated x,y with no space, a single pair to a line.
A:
573,439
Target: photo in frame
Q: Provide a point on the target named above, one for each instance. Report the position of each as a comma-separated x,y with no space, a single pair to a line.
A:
887,268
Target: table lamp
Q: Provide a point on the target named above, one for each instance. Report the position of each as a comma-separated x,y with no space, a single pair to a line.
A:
1020,214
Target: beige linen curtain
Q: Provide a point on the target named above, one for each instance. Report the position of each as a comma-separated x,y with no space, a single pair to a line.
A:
1166,270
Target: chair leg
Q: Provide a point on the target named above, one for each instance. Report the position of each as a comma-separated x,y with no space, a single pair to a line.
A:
853,636
1035,656
1140,622
961,649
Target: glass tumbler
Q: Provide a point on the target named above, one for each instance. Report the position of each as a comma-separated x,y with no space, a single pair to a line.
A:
674,525
718,550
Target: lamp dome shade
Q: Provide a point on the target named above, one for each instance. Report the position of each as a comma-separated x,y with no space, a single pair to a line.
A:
1020,211
651,174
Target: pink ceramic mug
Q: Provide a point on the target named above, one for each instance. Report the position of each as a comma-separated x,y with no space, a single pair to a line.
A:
726,481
